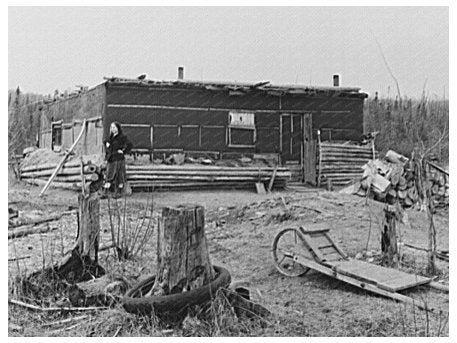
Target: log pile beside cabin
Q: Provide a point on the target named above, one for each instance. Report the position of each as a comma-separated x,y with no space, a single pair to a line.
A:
160,176
69,176
339,164
198,177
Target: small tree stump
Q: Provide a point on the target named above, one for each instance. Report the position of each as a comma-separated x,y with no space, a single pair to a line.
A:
89,226
183,260
82,264
389,245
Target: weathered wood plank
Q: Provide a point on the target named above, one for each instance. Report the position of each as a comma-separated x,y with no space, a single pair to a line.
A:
320,240
334,256
390,279
405,282
337,247
327,250
313,248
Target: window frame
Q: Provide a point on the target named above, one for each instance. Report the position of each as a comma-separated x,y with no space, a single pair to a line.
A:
235,124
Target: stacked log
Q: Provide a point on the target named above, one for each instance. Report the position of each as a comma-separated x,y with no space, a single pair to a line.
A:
403,186
188,177
394,180
161,177
339,164
69,177
439,187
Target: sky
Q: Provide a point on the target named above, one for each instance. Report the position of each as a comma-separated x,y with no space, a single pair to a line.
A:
53,48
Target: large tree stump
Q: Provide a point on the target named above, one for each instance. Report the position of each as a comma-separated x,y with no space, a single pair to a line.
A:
82,264
183,262
389,245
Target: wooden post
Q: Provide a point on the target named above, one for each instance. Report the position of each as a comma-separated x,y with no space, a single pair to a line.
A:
431,268
183,260
320,158
373,150
389,245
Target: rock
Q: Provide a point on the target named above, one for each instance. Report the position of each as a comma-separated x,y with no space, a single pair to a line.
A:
358,256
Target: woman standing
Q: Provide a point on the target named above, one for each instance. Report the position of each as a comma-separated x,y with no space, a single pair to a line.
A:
116,146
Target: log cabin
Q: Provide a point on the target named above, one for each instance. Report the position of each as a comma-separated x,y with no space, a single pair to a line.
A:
221,119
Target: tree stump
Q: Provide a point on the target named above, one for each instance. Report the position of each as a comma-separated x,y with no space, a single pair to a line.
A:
82,264
389,245
183,262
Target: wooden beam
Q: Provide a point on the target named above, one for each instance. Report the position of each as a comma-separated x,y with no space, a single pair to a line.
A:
272,180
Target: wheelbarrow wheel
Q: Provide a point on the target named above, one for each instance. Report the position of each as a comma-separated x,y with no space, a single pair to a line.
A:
287,243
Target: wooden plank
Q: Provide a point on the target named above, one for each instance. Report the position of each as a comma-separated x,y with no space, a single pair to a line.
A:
272,180
309,230
337,146
327,250
358,274
320,240
390,279
405,282
313,248
337,247
332,257
366,286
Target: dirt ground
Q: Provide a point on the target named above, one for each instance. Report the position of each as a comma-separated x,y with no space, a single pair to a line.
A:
240,227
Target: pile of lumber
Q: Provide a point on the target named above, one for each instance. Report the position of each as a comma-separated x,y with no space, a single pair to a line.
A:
339,164
203,177
69,176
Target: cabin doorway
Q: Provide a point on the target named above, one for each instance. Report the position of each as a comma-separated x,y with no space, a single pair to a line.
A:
297,146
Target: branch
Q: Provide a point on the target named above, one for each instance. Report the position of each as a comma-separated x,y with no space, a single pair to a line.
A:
54,309
387,66
444,134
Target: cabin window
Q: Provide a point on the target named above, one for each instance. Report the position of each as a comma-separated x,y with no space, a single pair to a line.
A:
57,136
242,132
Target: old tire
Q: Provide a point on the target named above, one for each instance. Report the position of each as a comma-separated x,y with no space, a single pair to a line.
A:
134,302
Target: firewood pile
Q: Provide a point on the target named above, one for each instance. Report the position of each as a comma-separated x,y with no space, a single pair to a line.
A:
439,187
394,179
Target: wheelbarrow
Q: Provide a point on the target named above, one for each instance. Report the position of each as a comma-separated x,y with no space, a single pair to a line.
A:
298,250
